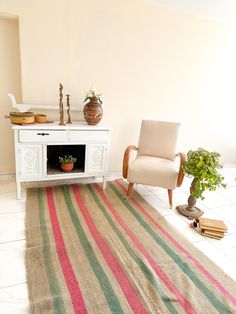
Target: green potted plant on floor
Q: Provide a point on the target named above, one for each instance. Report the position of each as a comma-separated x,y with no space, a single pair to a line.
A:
203,166
67,162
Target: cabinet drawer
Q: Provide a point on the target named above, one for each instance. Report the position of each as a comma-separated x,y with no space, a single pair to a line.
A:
42,136
88,136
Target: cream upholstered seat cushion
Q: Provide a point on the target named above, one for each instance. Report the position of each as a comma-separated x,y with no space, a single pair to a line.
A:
153,171
158,138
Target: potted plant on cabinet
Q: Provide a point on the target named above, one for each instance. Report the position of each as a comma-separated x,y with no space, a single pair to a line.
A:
203,166
67,162
93,111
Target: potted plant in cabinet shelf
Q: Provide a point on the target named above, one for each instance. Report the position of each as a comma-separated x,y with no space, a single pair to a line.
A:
202,166
67,162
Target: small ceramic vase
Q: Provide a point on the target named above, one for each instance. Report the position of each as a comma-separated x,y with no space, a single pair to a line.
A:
93,112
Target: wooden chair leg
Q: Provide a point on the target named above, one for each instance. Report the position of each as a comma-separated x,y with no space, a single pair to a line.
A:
130,188
170,198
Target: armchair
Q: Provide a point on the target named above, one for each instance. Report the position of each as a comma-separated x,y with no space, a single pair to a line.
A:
155,162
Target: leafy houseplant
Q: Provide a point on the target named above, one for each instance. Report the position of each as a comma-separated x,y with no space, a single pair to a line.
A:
67,162
93,111
203,166
92,95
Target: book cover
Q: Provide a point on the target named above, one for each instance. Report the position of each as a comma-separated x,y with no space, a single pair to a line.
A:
213,233
212,236
213,229
212,224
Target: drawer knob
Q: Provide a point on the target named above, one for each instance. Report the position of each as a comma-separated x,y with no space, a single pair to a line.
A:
43,134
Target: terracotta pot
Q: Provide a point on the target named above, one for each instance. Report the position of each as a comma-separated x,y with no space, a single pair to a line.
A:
93,112
67,167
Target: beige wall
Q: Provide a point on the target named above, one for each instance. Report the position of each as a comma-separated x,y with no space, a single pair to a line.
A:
149,62
9,81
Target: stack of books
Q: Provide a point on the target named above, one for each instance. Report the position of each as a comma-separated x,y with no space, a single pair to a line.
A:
212,228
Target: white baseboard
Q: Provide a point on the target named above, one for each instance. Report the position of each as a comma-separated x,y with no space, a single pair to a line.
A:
4,177
114,175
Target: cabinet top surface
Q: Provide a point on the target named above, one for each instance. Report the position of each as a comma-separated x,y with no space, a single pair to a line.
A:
56,126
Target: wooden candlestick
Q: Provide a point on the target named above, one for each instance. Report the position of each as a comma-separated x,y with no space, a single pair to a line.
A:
61,111
68,109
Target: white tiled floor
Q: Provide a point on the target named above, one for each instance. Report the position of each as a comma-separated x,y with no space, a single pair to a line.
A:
219,205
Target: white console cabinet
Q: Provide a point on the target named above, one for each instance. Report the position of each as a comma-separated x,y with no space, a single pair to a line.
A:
39,146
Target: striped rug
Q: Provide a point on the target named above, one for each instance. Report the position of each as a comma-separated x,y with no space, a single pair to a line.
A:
92,251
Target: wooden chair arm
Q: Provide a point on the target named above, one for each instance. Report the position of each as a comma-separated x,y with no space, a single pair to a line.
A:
126,159
181,173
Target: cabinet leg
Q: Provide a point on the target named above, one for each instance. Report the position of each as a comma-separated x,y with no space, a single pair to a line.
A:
104,182
18,190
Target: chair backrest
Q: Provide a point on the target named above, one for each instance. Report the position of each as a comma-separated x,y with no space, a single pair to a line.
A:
158,139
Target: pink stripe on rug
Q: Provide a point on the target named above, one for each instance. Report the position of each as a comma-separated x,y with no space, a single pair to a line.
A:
182,249
184,303
68,272
127,288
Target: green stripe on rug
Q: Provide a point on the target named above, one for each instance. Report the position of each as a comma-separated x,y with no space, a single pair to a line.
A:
147,273
107,289
52,279
219,306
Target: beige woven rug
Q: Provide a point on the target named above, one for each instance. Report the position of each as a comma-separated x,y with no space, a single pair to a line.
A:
92,251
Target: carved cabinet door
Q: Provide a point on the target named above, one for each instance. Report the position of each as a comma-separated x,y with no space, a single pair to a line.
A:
31,161
95,158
